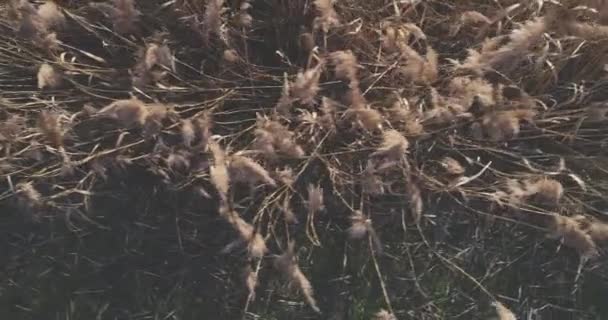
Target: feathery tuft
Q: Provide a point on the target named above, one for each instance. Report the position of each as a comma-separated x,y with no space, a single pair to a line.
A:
503,313
306,85
419,69
48,77
251,281
346,65
231,56
50,15
597,230
256,246
159,55
394,145
218,172
128,112
327,17
28,198
286,264
546,191
50,127
368,118
315,198
271,137
572,235
360,225
244,169
452,166
505,125
125,16
212,20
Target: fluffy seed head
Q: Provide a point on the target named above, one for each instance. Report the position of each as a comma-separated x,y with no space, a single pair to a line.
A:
598,230
48,77
371,182
345,64
368,118
572,235
246,170
128,112
306,85
327,17
251,281
547,191
187,132
452,166
505,125
212,20
230,56
360,225
394,145
272,138
218,172
474,18
287,264
125,16
50,127
315,198
28,198
50,15
415,201
158,55
256,246
503,313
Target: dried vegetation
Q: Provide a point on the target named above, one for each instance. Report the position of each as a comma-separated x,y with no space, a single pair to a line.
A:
369,159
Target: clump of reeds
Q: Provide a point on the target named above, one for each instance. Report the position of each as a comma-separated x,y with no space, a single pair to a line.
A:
368,126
